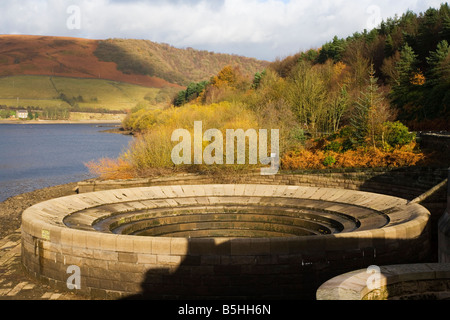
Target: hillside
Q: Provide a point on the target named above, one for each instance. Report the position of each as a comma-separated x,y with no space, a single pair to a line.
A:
180,66
411,59
41,72
76,94
138,62
64,57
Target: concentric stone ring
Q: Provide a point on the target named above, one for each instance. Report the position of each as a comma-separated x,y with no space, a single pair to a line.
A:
217,241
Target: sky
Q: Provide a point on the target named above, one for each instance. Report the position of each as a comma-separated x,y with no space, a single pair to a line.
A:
262,29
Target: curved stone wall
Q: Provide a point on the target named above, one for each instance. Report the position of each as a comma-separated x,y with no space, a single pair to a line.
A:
218,241
406,183
444,231
396,282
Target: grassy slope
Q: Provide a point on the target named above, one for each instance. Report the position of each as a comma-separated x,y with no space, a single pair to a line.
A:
43,91
111,74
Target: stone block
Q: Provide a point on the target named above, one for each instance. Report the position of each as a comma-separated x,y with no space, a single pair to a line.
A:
79,239
179,246
147,258
166,259
142,245
161,245
127,257
125,243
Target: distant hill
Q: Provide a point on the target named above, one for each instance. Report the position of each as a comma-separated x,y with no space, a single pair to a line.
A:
80,74
180,66
138,62
64,57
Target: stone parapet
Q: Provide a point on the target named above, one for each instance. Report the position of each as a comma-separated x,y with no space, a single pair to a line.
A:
403,183
393,282
293,239
444,231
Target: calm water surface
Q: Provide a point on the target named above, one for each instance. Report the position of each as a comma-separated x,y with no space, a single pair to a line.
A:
40,156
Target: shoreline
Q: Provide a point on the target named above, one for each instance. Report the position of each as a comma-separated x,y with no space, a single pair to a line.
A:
16,283
12,208
114,122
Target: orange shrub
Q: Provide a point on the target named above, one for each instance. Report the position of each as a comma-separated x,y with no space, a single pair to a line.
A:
111,169
361,158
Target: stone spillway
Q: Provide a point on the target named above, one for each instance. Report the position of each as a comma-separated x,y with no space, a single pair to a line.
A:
217,241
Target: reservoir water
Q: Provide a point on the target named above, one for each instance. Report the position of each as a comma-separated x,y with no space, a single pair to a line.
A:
40,156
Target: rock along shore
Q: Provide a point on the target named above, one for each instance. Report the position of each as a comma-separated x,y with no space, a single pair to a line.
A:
12,208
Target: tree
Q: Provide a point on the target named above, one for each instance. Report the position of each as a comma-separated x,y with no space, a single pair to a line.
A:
389,48
370,112
435,62
226,85
257,80
332,50
445,32
404,91
307,94
407,66
436,90
180,99
193,91
338,106
428,35
357,58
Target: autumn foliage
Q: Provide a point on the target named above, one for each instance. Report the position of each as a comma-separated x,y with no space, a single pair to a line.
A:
349,104
111,169
360,158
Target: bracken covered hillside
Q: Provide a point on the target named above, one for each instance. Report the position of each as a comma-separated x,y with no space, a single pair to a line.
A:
180,66
63,57
133,61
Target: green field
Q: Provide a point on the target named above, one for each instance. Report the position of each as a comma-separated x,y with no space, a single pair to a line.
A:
45,91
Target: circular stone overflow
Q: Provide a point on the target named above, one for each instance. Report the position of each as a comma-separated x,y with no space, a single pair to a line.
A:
228,216
218,241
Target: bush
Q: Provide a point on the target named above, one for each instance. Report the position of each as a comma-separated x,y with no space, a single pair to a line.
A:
345,132
359,158
7,113
334,146
348,144
329,161
397,134
151,151
298,135
111,169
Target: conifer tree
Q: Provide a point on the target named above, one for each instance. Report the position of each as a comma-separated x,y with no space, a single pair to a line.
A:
435,61
370,112
389,49
436,95
406,69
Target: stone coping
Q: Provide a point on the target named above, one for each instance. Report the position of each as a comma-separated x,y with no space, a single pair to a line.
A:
68,231
46,220
393,282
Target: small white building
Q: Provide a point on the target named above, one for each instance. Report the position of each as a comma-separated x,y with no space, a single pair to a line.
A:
22,114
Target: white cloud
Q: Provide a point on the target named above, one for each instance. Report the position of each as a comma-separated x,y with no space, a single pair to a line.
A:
264,29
